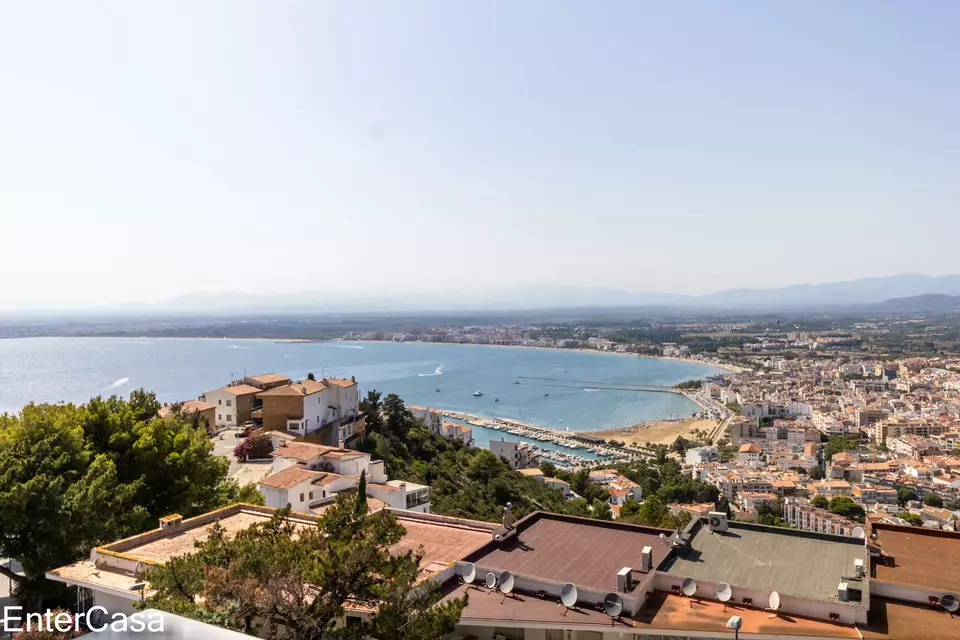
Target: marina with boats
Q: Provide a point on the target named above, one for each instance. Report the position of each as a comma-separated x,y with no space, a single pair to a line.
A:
564,447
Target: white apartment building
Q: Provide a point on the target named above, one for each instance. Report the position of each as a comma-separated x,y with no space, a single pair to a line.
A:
233,403
432,417
518,455
803,515
306,476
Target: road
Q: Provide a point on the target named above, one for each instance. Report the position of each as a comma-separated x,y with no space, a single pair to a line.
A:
223,445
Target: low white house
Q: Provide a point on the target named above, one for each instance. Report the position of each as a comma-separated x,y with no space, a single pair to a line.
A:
306,476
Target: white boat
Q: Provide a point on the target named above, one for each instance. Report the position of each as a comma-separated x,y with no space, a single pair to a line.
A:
478,393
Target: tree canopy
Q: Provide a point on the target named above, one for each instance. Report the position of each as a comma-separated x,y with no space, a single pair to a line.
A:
75,476
279,579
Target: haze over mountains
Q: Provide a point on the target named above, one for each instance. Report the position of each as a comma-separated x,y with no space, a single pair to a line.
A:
890,293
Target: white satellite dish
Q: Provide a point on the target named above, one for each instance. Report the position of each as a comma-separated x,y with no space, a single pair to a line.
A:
491,580
506,582
724,592
950,602
468,572
568,595
774,600
612,605
689,587
858,532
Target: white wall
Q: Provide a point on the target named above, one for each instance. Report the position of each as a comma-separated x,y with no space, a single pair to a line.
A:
113,603
274,498
225,416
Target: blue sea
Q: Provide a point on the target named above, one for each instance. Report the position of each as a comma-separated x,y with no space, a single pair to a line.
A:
443,376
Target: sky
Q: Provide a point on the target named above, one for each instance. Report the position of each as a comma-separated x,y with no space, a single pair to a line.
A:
151,150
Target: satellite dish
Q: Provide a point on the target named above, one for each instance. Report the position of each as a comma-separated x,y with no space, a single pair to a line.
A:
858,532
469,572
506,582
689,587
724,592
774,600
950,602
568,595
612,605
491,580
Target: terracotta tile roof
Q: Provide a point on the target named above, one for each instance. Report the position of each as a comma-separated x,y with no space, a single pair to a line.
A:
240,389
268,378
294,389
300,451
385,487
290,477
192,406
340,382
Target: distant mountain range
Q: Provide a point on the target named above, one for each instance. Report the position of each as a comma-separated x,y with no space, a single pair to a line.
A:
892,293
925,302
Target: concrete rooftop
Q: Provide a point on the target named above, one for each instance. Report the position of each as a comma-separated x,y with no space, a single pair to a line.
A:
768,559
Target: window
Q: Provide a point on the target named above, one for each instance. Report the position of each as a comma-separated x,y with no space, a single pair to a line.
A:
219,401
301,497
219,416
229,402
311,495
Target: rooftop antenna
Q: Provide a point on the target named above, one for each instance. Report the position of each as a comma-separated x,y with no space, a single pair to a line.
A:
950,603
724,594
613,606
491,581
568,597
468,573
774,604
506,584
689,588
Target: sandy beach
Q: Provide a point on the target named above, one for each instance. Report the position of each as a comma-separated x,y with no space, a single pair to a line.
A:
656,431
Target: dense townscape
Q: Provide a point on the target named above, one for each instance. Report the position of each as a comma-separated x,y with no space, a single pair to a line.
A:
844,456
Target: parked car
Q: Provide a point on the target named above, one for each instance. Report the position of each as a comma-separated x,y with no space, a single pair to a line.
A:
245,432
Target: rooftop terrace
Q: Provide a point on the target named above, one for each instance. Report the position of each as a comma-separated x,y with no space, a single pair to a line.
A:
568,549
768,559
918,556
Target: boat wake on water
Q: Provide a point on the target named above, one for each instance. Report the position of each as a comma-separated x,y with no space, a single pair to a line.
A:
437,372
118,383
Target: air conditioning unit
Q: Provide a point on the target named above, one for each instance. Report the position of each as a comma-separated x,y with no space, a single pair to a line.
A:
843,592
646,559
624,580
717,521
858,567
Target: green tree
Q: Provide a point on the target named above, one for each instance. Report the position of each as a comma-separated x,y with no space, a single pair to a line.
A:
933,500
57,498
579,507
820,501
362,494
310,376
279,580
912,518
836,444
844,506
816,473
371,410
602,510
905,495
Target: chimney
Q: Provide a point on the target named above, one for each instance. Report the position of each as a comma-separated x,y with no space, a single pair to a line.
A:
508,516
646,559
303,390
353,378
171,522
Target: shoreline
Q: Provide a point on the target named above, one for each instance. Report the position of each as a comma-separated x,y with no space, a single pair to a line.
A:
725,368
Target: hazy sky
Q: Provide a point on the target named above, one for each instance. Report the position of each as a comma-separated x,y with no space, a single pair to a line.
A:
152,150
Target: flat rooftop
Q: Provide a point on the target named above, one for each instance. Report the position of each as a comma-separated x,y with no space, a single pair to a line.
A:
769,559
917,556
562,549
443,542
